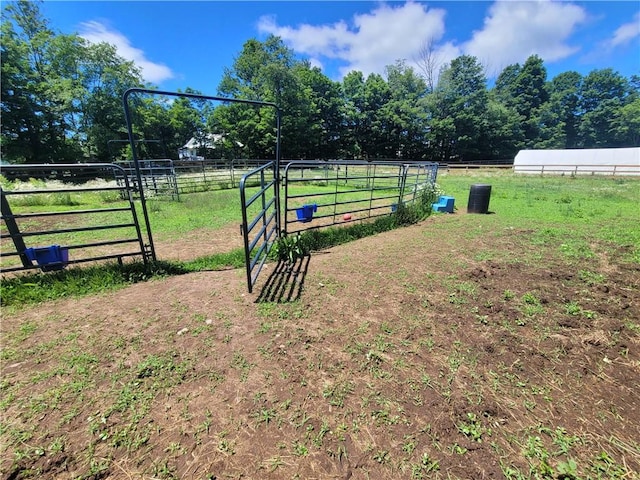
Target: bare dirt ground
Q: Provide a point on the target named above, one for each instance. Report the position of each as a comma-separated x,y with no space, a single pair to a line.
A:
442,350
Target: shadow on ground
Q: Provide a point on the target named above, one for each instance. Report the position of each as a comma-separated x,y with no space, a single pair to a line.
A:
286,282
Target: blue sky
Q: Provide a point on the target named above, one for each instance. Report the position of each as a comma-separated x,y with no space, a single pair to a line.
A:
189,44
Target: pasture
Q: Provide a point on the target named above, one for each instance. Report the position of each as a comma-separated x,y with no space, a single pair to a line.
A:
504,345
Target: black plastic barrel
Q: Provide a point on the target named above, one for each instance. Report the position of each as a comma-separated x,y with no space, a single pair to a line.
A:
479,196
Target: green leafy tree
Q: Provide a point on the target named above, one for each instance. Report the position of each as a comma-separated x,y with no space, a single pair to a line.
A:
530,95
604,94
560,116
187,119
325,113
504,89
264,71
61,97
503,134
406,116
458,112
625,127
105,77
377,141
523,90
367,131
504,93
38,88
356,125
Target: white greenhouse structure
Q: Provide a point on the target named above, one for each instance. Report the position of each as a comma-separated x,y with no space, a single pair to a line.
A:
600,161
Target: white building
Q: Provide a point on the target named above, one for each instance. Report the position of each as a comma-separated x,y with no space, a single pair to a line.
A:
189,150
597,161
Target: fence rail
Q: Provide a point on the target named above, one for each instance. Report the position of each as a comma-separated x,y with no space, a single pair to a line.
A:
542,169
260,217
158,177
348,190
43,226
169,179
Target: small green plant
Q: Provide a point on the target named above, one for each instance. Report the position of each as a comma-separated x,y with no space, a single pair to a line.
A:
530,299
532,305
289,249
591,278
605,467
409,445
427,465
381,457
242,365
300,449
336,393
572,308
265,415
428,194
473,428
568,470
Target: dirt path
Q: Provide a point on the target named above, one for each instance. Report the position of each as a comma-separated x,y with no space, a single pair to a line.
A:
442,350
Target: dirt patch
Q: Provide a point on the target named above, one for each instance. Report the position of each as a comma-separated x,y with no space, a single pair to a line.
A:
424,352
200,243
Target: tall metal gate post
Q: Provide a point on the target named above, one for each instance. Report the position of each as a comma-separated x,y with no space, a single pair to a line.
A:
136,165
132,141
14,231
277,175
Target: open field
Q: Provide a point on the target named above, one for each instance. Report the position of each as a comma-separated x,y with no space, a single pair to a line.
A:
466,346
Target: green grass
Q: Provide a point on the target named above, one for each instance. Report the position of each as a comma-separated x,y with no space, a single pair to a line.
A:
430,369
206,210
565,212
35,288
169,219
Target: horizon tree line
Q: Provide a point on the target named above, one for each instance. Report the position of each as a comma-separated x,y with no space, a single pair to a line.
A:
61,102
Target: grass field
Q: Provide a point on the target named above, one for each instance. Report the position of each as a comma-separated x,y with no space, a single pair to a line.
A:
467,346
566,210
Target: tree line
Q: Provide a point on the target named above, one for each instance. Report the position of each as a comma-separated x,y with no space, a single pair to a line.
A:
61,102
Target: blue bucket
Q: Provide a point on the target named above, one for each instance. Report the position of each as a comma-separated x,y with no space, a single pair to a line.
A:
49,258
305,213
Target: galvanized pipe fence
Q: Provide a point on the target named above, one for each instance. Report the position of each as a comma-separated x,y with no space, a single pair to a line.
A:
323,194
42,226
168,179
260,218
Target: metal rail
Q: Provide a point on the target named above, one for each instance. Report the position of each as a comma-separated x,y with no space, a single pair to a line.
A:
354,190
30,225
261,230
586,169
133,140
559,169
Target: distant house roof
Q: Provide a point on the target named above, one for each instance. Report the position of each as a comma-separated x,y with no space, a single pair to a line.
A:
207,141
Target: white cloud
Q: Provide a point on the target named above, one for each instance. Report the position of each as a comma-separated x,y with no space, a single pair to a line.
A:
626,32
513,31
372,41
316,63
96,32
326,40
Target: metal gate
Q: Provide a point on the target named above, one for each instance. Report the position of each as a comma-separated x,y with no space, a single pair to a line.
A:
51,239
260,217
269,210
349,190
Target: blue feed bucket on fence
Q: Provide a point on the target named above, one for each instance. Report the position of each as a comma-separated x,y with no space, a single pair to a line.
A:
49,258
305,213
